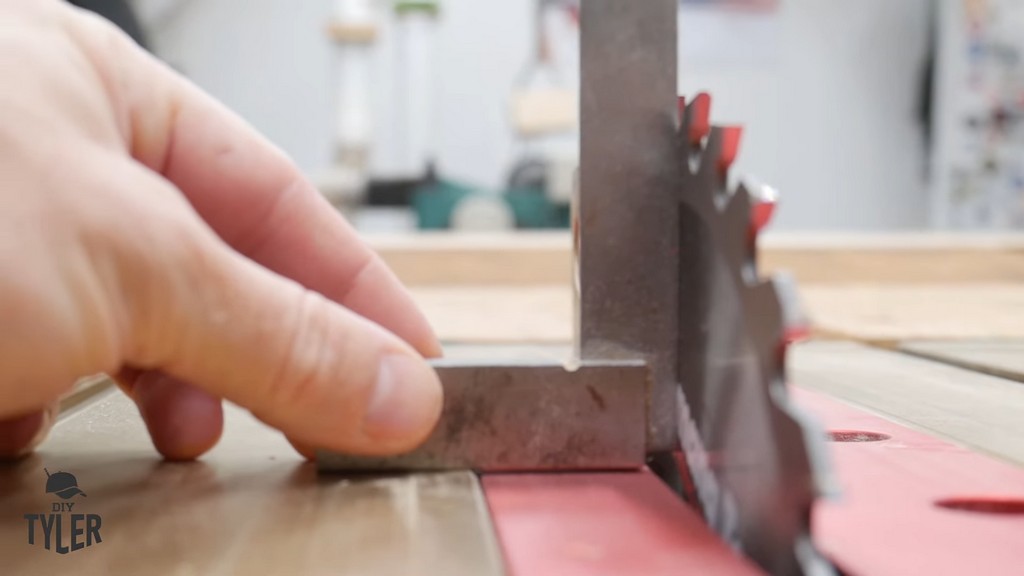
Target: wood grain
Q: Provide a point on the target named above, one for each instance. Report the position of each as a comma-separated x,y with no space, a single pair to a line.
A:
251,507
975,410
1003,358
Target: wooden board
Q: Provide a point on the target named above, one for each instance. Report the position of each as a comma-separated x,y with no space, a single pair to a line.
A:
496,314
251,507
889,313
498,288
950,265
524,258
872,313
975,410
1003,358
511,353
488,259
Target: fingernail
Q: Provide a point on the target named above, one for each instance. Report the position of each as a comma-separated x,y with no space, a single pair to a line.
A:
406,401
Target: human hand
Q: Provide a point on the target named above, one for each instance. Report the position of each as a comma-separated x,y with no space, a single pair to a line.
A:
147,232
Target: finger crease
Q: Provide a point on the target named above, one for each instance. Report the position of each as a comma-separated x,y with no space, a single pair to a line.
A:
356,278
260,231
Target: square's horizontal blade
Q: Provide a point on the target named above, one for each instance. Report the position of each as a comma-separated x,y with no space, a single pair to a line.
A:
528,417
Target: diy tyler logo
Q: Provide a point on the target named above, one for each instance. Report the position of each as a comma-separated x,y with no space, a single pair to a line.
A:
83,530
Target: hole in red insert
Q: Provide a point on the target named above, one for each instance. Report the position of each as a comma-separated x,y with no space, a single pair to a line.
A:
857,436
984,505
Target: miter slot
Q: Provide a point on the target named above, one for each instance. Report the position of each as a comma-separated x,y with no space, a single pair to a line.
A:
528,417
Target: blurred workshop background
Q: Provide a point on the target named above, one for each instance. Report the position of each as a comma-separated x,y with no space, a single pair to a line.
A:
866,116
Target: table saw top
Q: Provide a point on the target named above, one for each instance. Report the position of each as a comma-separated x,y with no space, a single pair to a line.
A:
252,505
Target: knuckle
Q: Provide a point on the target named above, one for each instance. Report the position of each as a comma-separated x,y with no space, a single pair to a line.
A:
306,359
95,29
186,281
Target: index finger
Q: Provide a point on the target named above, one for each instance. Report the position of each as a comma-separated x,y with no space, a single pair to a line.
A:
250,193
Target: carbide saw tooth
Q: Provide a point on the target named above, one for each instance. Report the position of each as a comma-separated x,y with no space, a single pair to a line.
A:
699,119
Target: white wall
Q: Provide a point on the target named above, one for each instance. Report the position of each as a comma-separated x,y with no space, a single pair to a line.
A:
829,112
829,109
269,60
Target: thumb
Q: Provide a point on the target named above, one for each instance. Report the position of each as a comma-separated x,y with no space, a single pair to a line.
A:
320,373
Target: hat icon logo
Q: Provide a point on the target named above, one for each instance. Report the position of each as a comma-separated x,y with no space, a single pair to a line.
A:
63,484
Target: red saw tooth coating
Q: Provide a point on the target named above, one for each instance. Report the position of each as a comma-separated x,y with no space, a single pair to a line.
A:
795,334
731,137
700,117
761,214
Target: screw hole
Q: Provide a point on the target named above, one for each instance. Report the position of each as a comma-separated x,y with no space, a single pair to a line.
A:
984,505
857,436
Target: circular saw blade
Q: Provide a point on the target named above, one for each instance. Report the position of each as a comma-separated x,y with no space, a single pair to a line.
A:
755,460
